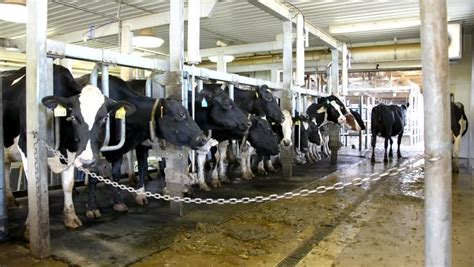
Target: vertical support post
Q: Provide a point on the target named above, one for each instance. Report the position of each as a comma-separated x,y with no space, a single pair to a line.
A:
126,47
361,108
36,81
3,203
335,72
287,92
300,50
194,7
175,87
274,75
221,64
344,72
434,60
231,90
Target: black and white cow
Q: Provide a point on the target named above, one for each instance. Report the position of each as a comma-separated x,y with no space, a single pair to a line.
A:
309,139
172,123
85,110
459,125
260,137
388,121
354,121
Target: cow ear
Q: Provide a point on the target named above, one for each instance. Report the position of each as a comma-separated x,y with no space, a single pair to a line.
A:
408,105
112,106
52,101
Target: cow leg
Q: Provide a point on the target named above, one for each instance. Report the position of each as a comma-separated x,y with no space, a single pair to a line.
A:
142,159
201,159
399,142
215,173
132,178
249,161
385,158
374,141
70,218
116,195
11,201
231,158
246,172
222,162
260,166
92,210
390,152
269,165
456,150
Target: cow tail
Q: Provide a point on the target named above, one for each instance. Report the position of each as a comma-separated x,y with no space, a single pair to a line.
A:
465,118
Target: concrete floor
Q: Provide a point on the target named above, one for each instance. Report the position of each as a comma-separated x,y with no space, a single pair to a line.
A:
380,224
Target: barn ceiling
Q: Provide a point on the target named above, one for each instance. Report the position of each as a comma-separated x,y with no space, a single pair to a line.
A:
239,22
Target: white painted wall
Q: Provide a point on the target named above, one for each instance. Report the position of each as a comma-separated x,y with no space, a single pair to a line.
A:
460,84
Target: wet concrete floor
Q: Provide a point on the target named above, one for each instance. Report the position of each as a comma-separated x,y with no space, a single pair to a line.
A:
378,223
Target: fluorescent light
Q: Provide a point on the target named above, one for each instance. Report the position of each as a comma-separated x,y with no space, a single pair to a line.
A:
146,38
14,11
374,26
227,58
13,48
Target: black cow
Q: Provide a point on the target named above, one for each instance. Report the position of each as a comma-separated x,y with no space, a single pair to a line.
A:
388,121
172,123
84,111
459,125
259,102
260,136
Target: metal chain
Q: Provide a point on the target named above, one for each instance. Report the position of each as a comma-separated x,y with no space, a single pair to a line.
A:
404,167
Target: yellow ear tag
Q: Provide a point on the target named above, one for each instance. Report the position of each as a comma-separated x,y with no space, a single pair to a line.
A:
256,94
297,122
60,111
120,113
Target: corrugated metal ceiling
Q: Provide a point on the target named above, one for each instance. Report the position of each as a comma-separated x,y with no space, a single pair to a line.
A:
239,22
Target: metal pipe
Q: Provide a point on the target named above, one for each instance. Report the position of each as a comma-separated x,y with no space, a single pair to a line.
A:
3,204
148,85
38,87
344,71
105,90
94,75
105,147
194,12
193,110
300,50
231,90
335,71
57,124
434,60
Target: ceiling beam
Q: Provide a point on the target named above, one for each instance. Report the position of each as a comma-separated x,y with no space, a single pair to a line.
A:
283,13
152,20
243,49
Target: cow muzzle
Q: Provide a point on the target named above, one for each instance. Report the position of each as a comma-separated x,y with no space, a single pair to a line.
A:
341,120
200,141
286,142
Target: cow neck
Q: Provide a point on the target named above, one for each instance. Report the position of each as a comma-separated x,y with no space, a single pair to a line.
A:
246,133
158,102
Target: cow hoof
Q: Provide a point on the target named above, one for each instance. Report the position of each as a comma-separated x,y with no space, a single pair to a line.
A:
11,201
372,160
385,160
262,172
120,207
399,156
216,183
72,221
203,186
246,176
141,199
272,170
93,214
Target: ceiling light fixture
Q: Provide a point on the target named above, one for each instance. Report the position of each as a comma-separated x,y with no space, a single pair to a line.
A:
375,26
147,38
14,11
227,58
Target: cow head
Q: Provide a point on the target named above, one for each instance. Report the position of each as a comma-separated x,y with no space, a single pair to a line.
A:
224,112
314,135
333,108
87,114
287,127
268,105
176,126
261,135
354,121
